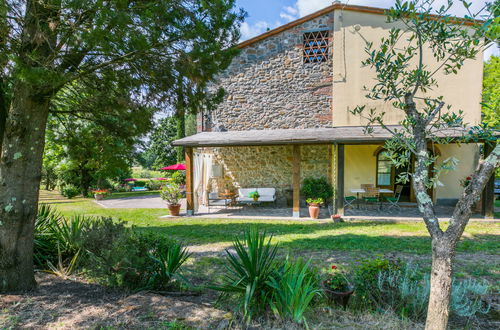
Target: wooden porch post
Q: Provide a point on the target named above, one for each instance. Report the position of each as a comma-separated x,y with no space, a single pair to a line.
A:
188,153
296,180
339,205
489,189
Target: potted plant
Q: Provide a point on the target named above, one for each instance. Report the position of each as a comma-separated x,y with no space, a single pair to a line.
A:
314,205
317,188
255,195
100,193
337,287
337,218
171,193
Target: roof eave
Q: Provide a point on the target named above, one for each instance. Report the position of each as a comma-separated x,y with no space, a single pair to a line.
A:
326,10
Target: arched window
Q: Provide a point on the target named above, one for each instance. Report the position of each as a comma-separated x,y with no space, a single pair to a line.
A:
384,169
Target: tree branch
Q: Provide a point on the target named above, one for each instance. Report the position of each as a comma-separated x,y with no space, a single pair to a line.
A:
472,193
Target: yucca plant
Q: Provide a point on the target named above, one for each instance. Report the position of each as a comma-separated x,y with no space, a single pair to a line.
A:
70,233
63,270
168,263
45,244
295,286
249,270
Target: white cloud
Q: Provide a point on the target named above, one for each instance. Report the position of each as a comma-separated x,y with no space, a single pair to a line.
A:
289,13
251,30
248,31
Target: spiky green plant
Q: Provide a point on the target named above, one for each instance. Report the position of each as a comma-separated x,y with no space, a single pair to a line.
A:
294,289
62,269
45,244
249,270
69,233
168,263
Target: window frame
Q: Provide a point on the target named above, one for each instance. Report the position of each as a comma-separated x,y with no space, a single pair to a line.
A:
307,58
392,171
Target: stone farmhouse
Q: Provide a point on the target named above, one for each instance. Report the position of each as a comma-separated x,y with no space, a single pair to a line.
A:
286,115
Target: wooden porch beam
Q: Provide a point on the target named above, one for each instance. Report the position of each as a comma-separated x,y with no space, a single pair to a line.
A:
188,153
489,190
339,205
296,180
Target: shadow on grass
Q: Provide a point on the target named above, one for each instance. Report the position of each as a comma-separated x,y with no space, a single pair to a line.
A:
361,236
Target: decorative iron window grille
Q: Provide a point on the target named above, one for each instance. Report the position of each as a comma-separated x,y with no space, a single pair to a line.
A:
316,46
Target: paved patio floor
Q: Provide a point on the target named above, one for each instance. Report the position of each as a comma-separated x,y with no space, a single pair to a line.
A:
407,213
136,202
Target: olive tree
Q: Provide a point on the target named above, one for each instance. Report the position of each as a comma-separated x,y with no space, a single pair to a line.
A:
423,43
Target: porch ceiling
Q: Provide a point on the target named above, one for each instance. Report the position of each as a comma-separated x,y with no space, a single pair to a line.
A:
345,134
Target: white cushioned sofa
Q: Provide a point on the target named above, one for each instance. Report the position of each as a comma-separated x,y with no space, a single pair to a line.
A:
266,195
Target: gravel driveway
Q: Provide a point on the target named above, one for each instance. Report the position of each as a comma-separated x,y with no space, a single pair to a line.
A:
137,202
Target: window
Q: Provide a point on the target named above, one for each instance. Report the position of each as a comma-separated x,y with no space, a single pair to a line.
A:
316,46
384,169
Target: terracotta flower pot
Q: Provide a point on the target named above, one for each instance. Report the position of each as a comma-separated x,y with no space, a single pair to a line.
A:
255,199
314,211
174,209
340,298
98,197
337,218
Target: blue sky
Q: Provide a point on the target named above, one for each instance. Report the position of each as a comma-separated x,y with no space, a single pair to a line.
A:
264,14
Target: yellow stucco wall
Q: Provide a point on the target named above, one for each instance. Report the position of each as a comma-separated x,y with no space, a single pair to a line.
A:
360,167
462,91
468,156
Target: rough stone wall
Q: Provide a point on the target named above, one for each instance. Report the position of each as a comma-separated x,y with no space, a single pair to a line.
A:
268,86
270,166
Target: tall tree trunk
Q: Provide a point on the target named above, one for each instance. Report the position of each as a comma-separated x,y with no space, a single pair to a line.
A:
180,116
441,279
20,175
3,110
84,179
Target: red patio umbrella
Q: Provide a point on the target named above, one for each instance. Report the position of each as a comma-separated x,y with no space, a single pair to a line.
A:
175,167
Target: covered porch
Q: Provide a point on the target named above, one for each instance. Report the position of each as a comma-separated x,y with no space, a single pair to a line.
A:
340,153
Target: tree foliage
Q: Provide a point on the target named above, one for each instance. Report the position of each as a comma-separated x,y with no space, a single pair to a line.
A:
491,92
160,143
161,52
407,63
89,147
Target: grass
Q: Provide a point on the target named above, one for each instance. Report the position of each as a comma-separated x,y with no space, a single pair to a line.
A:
324,242
373,237
133,194
497,206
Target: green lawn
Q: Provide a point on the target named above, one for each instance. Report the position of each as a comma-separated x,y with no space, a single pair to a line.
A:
324,242
373,237
133,194
497,206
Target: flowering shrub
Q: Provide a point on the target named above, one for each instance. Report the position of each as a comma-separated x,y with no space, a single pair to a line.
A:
337,281
366,279
465,182
101,191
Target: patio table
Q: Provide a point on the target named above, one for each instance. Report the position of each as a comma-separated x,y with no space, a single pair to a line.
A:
358,191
